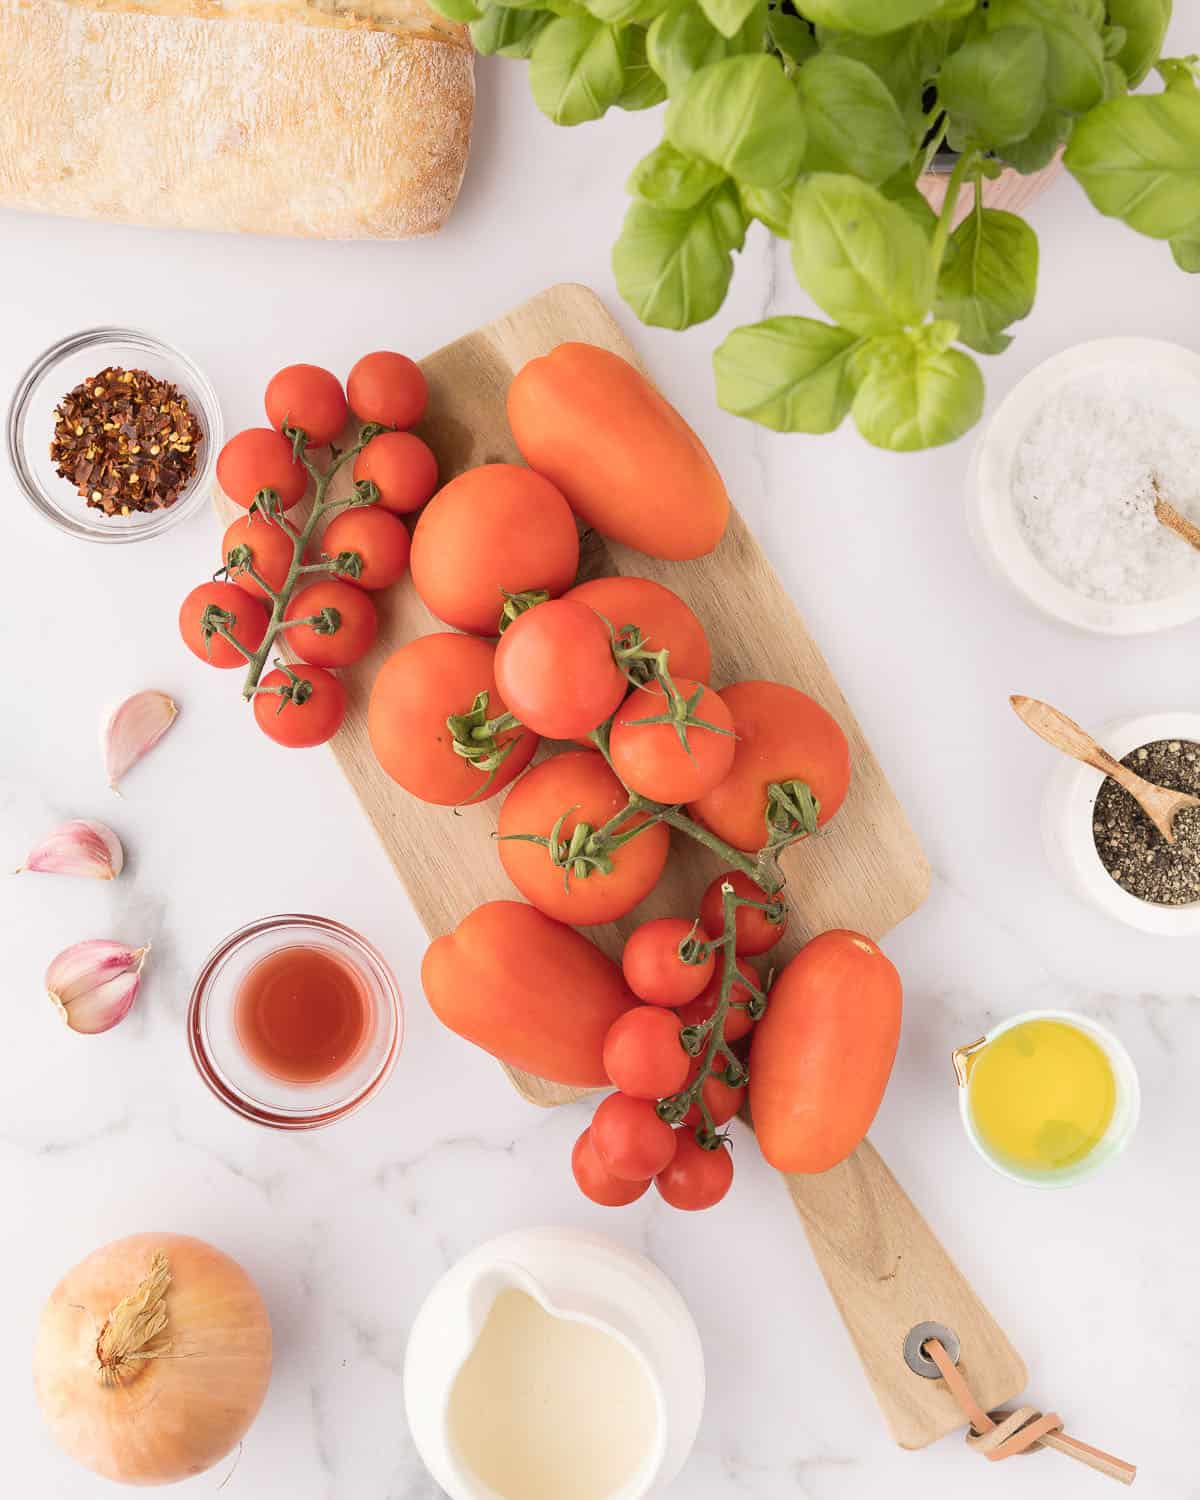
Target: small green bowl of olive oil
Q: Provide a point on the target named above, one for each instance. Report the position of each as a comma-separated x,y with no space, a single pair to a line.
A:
1047,1097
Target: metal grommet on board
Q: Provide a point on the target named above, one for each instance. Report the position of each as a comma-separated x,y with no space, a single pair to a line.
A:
914,1348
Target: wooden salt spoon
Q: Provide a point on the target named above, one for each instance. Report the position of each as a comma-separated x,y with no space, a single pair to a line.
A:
1159,803
1166,515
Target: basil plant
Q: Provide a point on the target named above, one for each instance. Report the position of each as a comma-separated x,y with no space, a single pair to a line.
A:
816,117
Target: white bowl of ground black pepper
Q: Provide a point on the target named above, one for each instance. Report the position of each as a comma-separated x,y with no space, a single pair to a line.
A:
1102,845
113,435
1061,502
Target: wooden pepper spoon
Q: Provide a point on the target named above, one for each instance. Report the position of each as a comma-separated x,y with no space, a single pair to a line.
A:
1159,803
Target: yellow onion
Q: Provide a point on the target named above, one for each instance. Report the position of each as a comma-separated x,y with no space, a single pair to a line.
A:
152,1358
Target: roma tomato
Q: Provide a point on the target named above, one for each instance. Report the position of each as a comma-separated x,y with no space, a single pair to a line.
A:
387,388
627,462
643,1055
244,617
782,735
496,530
754,930
417,690
260,459
655,966
530,991
650,756
380,540
261,543
665,621
737,1019
821,1057
352,617
723,1100
579,785
556,669
697,1176
308,397
630,1139
401,467
311,713
597,1182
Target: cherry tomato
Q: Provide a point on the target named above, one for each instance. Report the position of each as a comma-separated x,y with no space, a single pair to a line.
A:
597,1182
737,1019
579,784
247,622
653,965
643,1054
696,1177
494,530
722,1100
310,715
754,931
418,688
387,388
402,468
353,635
782,735
308,397
260,459
270,548
630,1139
380,540
555,667
652,759
665,621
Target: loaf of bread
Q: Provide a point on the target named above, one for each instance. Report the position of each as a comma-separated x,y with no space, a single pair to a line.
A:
301,117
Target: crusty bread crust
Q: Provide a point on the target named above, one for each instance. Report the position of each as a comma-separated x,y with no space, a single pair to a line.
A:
264,116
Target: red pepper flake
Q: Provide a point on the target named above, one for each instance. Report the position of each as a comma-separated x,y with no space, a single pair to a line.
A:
126,440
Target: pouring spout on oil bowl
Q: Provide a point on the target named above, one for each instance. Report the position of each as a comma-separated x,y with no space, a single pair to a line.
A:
550,1364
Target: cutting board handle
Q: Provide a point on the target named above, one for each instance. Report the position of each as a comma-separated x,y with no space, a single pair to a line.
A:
887,1272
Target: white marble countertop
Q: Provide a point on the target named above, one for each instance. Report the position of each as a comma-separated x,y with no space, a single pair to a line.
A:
344,1230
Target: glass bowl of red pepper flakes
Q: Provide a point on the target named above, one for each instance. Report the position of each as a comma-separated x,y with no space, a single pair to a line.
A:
113,435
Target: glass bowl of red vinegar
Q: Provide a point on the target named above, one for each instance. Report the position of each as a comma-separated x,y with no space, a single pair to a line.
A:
295,1022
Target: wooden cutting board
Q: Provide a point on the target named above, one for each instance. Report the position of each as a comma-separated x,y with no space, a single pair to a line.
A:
885,1269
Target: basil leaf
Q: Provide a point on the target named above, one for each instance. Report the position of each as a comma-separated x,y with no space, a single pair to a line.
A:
744,115
770,206
624,12
914,396
508,32
904,192
988,278
1145,25
1138,159
877,17
577,69
1115,82
1037,149
1074,49
789,374
791,36
682,41
672,179
1185,248
902,60
728,16
995,88
674,267
861,258
854,124
643,87
457,10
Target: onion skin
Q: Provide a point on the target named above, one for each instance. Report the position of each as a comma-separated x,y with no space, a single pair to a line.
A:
156,1420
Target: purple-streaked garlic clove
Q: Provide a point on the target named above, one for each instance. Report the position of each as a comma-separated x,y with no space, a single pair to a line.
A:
133,728
94,983
79,847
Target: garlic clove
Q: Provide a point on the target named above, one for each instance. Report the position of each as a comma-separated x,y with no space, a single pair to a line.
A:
133,728
78,848
94,983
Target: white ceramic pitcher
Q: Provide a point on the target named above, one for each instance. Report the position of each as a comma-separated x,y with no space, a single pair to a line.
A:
581,1278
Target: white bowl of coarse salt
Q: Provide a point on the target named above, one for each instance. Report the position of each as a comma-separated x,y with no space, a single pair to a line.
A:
1060,499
